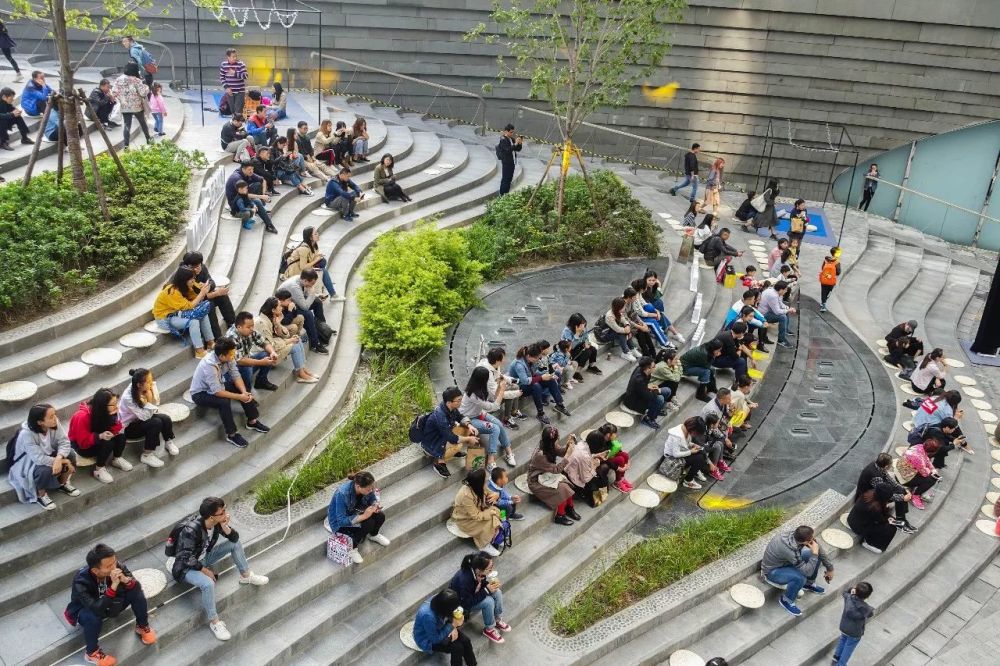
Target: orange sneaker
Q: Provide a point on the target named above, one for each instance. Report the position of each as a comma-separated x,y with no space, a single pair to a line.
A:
147,634
99,658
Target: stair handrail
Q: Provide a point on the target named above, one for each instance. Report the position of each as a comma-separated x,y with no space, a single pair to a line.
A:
413,79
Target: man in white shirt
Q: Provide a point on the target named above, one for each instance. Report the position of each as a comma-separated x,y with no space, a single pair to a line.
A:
772,306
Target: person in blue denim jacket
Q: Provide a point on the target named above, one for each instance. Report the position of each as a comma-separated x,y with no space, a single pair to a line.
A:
436,628
534,381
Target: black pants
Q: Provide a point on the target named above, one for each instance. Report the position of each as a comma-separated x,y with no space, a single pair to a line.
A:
919,485
696,462
10,59
393,190
225,407
103,112
158,425
127,125
866,198
901,509
7,125
931,389
147,78
824,292
879,536
459,649
221,305
103,451
311,316
366,528
645,343
506,176
583,355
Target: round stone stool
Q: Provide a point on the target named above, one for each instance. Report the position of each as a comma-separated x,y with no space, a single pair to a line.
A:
103,357
153,327
811,228
747,596
686,658
153,581
138,340
981,404
987,527
17,391
454,529
987,510
992,497
881,343
965,380
187,397
837,538
522,483
987,417
321,211
175,410
644,497
68,372
406,636
995,483
996,468
908,390
843,519
973,392
900,450
907,426
661,484
620,419
954,363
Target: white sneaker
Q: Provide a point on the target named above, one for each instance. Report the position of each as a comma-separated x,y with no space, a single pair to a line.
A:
680,338
636,354
121,464
701,477
254,579
509,458
171,447
19,77
356,556
693,485
627,357
490,550
381,539
151,460
326,525
220,630
103,475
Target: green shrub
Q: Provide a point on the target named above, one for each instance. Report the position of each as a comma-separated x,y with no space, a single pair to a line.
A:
377,427
511,234
54,240
417,284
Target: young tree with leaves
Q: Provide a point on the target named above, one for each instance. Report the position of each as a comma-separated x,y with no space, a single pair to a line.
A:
580,55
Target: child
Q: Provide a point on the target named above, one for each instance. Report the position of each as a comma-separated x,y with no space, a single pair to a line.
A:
562,365
797,221
741,402
618,459
507,502
852,622
158,109
245,208
750,278
828,275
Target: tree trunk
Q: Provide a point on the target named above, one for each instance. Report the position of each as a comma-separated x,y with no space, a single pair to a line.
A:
71,119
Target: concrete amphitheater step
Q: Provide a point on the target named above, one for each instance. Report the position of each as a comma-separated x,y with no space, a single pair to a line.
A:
899,276
946,312
917,299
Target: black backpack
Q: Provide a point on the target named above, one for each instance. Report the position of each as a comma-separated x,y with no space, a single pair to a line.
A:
283,264
417,427
497,150
9,461
170,549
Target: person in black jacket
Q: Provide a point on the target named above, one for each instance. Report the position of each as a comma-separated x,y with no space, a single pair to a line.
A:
218,296
101,102
196,552
716,247
506,149
734,354
643,395
263,166
234,138
256,187
877,474
690,173
102,590
869,518
10,117
478,588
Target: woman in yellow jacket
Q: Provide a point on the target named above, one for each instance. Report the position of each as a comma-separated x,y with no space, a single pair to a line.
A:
175,309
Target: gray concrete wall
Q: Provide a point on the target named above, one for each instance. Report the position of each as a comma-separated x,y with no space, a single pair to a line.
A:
887,71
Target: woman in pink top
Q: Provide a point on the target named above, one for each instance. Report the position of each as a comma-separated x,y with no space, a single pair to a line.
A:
158,109
774,258
917,472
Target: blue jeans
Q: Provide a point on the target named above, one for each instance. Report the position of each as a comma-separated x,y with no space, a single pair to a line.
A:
689,179
497,433
793,580
665,393
737,363
298,355
325,275
247,371
654,328
289,177
656,404
622,341
361,146
537,390
492,608
782,321
207,585
845,648
704,375
91,623
157,122
199,329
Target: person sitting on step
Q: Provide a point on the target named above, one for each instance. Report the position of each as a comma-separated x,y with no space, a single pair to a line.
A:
915,471
260,127
317,168
235,139
773,307
355,511
263,165
438,438
928,377
284,342
437,628
644,327
289,165
615,326
721,407
914,346
562,364
605,438
254,354
385,184
475,511
588,470
95,431
651,292
774,258
933,410
870,518
716,248
691,214
667,375
217,296
714,443
791,562
250,199
359,140
680,445
342,144
704,230
141,418
43,459
101,591
899,355
301,291
503,386
198,548
749,279
879,473
342,194
734,354
535,381
948,435
758,323
507,503
478,588
10,117
181,308
582,352
477,403
643,395
546,480
697,362
742,402
307,255
323,143
217,382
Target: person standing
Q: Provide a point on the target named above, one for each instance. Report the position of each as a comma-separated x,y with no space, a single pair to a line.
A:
506,149
130,93
768,218
871,184
7,44
233,73
852,622
138,54
713,185
690,173
828,275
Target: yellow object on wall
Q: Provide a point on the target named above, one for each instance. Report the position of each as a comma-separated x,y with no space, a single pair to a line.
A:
663,93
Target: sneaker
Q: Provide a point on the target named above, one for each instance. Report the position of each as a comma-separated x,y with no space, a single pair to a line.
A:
147,634
724,466
72,621
70,490
577,377
789,606
568,386
561,408
515,516
46,503
254,579
622,487
237,440
491,550
519,415
491,633
676,403
868,546
18,77
258,426
673,192
786,346
543,418
509,458
442,470
220,630
717,475
265,386
701,476
490,467
814,588
150,460
822,307
510,423
503,626
103,475
594,370
121,464
680,338
356,556
636,354
917,502
171,447
907,528
380,539
649,423
692,484
626,357
319,349
100,658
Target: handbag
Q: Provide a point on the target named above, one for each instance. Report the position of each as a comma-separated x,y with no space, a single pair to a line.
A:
151,68
551,480
338,548
599,496
759,203
672,468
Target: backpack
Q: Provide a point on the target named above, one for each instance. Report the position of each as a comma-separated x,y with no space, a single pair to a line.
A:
497,150
170,549
502,541
828,274
417,427
10,460
285,256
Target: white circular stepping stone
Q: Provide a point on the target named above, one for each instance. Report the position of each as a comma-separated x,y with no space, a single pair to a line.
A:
987,417
101,356
154,328
522,484
175,410
992,497
153,581
981,404
321,211
84,461
973,392
954,363
996,468
686,658
995,455
453,528
17,391
990,428
406,636
747,596
666,216
661,484
881,343
222,281
987,527
908,426
843,519
187,397
965,380
138,340
756,242
68,372
837,538
995,482
907,389
620,419
900,450
987,510
644,497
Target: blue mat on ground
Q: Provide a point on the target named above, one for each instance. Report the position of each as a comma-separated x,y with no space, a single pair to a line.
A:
978,359
824,234
299,107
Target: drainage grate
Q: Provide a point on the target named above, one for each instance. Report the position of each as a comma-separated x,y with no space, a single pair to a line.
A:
519,319
825,363
825,375
547,297
800,431
810,416
821,388
531,307
506,331
496,343
816,401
